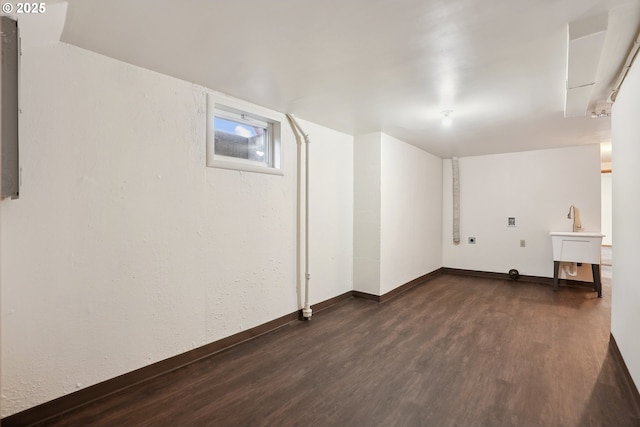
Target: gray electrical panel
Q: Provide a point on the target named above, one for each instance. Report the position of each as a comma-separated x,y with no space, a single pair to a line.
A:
9,112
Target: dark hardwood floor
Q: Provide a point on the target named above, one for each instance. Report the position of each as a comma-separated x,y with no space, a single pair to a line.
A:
457,351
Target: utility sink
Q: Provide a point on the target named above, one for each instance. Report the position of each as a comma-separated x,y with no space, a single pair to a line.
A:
576,246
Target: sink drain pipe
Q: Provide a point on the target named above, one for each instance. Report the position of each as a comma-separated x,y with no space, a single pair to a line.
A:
303,139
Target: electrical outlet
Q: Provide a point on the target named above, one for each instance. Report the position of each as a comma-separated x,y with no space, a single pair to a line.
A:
472,240
523,243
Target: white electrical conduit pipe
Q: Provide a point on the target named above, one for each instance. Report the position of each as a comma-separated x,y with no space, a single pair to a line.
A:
456,200
625,69
303,138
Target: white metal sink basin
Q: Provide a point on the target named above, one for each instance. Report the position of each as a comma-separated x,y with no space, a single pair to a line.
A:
576,246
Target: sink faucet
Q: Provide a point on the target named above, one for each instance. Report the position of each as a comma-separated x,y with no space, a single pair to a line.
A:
574,213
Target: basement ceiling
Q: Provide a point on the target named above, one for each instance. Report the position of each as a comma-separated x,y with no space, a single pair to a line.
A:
361,66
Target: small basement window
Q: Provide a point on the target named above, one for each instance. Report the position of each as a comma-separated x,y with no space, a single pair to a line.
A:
242,140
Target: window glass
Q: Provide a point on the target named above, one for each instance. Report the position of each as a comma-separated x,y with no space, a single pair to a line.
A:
241,140
243,137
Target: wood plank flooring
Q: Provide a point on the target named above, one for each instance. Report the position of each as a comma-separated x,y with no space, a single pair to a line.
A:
457,351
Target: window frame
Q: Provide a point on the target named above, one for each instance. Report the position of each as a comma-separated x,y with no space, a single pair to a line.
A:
244,113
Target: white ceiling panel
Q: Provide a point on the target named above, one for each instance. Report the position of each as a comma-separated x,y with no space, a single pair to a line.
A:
377,65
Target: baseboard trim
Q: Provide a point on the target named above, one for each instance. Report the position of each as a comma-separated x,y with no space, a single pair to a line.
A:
63,404
613,346
321,306
505,276
364,295
412,284
400,289
53,408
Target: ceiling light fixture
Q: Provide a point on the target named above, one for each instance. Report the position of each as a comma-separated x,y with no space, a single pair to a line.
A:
446,117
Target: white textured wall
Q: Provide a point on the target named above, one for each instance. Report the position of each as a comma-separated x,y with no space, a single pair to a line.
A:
607,205
366,214
536,187
397,213
331,212
411,213
124,249
625,305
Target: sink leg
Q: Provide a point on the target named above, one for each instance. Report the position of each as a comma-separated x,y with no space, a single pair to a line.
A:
595,269
556,269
